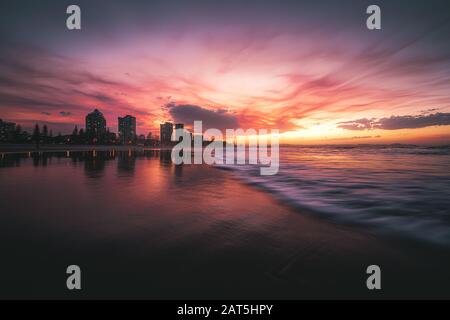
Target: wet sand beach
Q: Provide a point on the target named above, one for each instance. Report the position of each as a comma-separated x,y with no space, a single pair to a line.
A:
140,227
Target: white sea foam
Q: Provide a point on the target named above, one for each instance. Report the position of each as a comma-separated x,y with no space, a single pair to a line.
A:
400,190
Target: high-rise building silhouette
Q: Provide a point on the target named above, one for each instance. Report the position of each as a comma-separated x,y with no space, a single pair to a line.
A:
6,129
95,125
127,129
166,130
179,126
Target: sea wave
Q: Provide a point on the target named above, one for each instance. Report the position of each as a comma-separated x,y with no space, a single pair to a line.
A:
402,191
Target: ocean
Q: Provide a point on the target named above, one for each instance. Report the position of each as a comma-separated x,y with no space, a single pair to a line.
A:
141,227
401,190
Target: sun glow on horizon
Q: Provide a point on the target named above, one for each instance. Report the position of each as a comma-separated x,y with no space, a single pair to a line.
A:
313,82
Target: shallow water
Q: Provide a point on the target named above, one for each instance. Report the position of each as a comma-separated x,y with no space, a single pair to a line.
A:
401,190
141,227
138,226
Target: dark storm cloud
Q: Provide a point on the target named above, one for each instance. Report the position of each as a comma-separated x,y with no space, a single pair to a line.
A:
360,124
185,113
398,122
404,122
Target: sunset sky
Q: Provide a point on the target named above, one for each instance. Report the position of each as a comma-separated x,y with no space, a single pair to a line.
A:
308,68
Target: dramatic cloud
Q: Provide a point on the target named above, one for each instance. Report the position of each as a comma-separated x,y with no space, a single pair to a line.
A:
398,122
220,119
36,83
360,124
263,65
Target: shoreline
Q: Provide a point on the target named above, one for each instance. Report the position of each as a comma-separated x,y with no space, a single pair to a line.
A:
25,148
279,252
30,148
411,268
